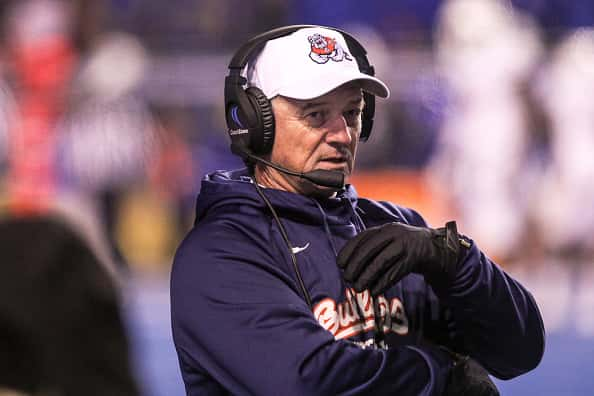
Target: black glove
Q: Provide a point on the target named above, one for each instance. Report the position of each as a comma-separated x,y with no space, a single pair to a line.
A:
468,378
380,256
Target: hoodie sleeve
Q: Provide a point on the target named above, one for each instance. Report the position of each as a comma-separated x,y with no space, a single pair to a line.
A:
494,318
240,326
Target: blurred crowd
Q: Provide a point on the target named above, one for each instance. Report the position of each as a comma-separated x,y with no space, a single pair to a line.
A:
111,111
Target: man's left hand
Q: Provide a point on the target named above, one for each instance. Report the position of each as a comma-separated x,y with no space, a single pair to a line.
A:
380,256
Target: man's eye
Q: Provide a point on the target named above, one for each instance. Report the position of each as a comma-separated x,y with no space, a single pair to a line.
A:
352,115
316,118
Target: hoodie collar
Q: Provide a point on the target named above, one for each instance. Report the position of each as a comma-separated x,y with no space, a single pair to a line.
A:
222,188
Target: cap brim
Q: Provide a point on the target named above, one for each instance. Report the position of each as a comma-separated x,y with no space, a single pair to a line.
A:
321,84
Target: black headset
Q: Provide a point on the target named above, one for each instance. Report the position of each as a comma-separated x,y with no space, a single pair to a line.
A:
248,112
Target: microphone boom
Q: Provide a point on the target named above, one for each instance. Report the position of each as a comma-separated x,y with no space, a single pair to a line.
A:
321,177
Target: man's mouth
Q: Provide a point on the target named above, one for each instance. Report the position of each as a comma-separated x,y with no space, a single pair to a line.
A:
340,162
335,160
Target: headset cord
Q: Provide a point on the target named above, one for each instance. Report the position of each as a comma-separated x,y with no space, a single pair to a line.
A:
349,291
287,242
379,321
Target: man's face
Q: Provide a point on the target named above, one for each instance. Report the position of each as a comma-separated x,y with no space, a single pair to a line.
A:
320,133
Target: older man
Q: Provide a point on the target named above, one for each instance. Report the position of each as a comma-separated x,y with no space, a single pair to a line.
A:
291,284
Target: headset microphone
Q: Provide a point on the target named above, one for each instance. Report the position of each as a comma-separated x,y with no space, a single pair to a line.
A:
321,177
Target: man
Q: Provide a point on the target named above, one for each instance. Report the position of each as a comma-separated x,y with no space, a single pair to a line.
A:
297,287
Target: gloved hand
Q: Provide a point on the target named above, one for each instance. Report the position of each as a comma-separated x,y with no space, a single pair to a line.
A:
468,378
380,256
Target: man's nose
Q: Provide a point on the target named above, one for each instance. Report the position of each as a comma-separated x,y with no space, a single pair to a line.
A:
338,131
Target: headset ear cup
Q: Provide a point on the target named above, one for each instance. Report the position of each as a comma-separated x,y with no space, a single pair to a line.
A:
262,136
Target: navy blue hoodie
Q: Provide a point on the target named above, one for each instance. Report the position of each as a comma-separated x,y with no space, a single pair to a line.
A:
241,324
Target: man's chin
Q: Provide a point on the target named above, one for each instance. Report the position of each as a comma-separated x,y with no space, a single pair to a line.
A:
323,192
318,190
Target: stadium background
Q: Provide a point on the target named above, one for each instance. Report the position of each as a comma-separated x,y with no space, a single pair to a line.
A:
110,113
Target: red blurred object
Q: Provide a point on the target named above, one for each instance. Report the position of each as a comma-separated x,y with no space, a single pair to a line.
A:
42,73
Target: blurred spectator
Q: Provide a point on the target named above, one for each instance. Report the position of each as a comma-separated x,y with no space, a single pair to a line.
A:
41,60
61,330
564,212
76,121
485,53
108,132
152,218
107,137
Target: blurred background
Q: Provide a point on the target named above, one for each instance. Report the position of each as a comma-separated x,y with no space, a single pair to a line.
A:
111,112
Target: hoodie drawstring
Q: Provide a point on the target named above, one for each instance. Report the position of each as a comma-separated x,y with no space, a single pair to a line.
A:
378,338
326,227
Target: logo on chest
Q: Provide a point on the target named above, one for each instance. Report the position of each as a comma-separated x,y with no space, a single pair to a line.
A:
355,315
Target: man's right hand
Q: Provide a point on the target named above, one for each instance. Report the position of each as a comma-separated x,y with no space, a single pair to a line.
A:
380,256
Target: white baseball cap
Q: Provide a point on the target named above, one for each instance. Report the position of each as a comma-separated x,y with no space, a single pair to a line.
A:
307,64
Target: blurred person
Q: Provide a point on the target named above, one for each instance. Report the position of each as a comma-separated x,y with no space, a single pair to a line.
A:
152,218
481,154
289,283
78,124
567,193
61,329
41,59
108,135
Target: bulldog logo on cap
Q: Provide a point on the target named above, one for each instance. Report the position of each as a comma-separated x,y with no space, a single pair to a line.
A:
324,48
